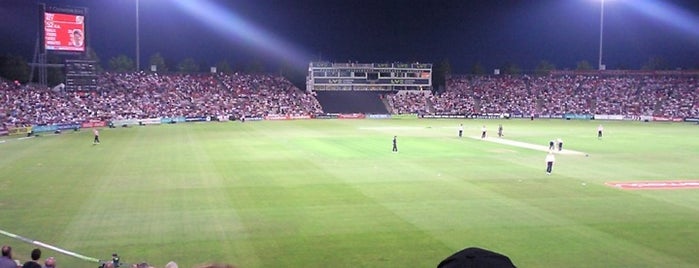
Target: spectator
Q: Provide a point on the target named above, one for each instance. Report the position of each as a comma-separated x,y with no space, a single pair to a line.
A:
50,263
34,263
6,260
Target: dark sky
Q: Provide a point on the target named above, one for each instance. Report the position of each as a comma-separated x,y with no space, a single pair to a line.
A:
493,32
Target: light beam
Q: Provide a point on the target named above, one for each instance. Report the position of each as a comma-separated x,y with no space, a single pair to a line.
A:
669,14
234,28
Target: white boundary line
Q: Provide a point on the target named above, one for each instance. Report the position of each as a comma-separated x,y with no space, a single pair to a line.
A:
45,134
41,244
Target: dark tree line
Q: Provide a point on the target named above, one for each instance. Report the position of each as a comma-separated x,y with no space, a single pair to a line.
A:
15,67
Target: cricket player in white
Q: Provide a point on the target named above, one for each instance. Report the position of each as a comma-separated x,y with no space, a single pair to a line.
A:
560,144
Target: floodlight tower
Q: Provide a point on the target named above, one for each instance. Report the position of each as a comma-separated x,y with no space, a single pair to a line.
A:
601,31
138,48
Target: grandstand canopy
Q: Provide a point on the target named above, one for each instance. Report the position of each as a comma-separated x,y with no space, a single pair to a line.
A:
324,76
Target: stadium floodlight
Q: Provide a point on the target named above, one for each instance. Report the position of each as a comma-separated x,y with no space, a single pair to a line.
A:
601,30
138,49
601,33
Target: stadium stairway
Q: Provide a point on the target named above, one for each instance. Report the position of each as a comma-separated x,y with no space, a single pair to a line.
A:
388,102
430,106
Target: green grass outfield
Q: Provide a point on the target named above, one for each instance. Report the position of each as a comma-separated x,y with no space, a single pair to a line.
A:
329,193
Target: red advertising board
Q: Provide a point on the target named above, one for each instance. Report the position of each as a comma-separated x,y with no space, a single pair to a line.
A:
351,116
277,117
90,124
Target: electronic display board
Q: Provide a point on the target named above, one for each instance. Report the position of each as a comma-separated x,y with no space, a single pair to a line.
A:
64,32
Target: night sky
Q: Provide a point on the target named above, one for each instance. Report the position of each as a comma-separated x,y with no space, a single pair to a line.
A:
492,32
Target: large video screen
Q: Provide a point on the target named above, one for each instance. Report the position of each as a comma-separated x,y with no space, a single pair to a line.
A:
64,32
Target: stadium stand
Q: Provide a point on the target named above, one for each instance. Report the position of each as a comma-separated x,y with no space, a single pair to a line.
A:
410,102
661,96
147,95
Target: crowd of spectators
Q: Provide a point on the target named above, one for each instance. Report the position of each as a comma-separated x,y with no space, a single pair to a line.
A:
9,259
491,99
409,101
663,96
457,99
150,95
261,95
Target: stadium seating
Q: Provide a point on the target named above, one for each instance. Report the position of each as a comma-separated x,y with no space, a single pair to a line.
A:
147,95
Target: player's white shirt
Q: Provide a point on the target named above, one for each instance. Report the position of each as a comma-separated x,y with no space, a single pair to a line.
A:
550,158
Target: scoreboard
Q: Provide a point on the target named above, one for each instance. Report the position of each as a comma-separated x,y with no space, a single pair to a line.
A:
369,76
81,75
